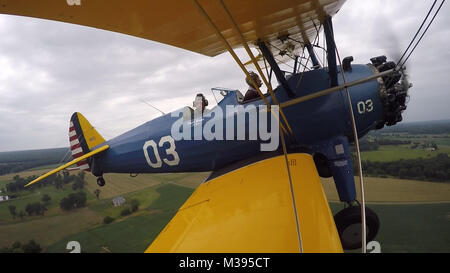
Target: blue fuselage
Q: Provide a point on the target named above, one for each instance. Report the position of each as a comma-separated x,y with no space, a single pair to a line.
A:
148,148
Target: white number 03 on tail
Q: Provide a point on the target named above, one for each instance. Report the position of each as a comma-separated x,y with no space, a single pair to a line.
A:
171,157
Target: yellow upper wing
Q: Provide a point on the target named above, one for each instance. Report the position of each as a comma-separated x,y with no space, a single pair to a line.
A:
179,23
251,210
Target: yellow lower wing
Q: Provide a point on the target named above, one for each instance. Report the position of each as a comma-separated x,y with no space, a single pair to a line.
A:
251,210
94,152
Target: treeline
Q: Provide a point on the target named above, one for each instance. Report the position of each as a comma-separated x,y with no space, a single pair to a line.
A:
374,144
11,162
429,169
15,167
428,127
56,180
17,247
55,154
387,141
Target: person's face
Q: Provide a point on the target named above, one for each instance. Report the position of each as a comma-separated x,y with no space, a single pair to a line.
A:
258,81
199,103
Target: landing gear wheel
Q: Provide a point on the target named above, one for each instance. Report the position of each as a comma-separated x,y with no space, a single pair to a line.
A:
348,223
321,162
100,181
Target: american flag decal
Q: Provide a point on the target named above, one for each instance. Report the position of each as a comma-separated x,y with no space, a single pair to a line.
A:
76,149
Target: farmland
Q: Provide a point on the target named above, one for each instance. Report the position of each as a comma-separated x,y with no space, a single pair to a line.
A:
161,195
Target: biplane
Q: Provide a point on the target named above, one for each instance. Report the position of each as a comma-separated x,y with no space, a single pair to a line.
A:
254,200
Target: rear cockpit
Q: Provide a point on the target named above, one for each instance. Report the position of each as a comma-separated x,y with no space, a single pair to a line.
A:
225,96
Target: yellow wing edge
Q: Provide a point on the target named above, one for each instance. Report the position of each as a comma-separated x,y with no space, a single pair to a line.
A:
178,23
94,152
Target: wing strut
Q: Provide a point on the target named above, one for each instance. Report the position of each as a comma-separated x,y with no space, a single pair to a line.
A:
233,54
255,62
269,87
329,26
276,69
314,60
331,51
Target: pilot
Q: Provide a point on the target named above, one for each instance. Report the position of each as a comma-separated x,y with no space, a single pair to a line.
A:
251,92
200,103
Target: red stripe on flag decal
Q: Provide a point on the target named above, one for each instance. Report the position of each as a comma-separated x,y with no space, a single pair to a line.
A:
77,155
83,165
72,138
75,146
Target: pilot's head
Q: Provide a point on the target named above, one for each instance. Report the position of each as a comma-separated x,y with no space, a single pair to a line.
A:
200,102
255,78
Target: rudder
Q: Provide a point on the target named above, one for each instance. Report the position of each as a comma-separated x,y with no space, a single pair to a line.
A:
82,137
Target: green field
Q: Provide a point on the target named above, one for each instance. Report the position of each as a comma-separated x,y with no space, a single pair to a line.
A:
56,224
412,228
145,197
26,197
439,139
396,152
133,234
394,190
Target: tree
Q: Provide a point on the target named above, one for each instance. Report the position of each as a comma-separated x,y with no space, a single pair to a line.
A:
35,208
46,199
58,184
16,244
125,212
73,200
12,210
29,209
134,204
66,177
21,214
81,175
78,184
32,247
434,146
97,193
107,220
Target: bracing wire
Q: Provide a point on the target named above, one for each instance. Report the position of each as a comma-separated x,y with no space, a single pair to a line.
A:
143,101
426,29
291,187
423,22
401,66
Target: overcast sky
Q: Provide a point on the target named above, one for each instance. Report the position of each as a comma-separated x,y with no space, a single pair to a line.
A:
48,70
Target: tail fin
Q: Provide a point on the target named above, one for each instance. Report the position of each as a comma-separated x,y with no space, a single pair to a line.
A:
83,137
